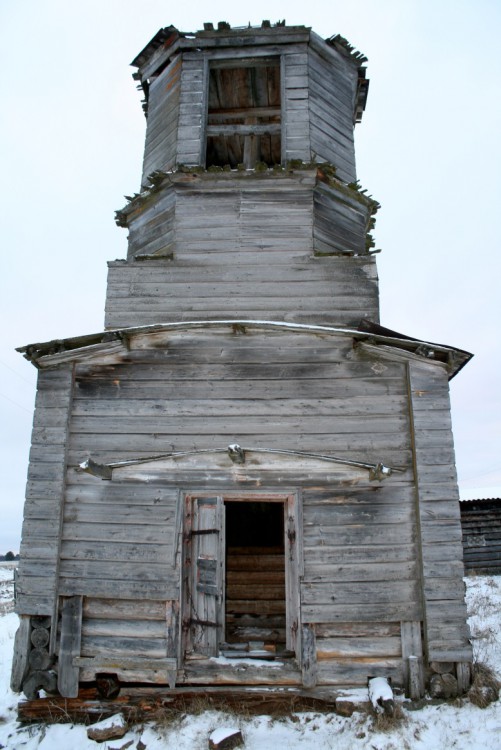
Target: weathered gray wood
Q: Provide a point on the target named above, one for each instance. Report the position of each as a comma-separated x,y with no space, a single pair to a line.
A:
463,674
43,533
40,637
293,570
358,646
121,589
281,244
356,672
69,646
412,656
308,656
387,612
415,679
134,628
102,663
118,645
21,653
242,216
206,586
39,659
206,672
122,609
172,628
443,595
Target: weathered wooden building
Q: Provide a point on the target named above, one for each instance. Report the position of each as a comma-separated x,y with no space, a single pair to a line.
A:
481,527
245,479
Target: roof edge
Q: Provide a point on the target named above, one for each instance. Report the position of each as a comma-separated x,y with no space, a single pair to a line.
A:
52,352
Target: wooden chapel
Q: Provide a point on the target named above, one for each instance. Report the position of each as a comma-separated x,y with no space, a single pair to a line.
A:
244,480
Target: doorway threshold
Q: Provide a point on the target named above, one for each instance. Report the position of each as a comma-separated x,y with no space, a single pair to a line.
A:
239,670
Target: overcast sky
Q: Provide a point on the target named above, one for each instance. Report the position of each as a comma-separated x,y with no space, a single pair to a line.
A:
71,141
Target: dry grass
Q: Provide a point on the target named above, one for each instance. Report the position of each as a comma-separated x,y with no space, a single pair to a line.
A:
383,722
484,687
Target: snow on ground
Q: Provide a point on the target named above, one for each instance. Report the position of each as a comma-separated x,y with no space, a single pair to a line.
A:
458,725
7,586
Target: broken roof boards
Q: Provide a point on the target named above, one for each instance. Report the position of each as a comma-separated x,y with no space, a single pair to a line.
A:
244,463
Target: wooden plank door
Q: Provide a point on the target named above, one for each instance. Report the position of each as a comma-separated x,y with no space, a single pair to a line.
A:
205,580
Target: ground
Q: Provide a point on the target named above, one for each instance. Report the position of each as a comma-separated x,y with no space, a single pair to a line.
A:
458,725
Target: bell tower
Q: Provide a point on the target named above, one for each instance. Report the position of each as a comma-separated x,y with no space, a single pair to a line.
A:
249,205
244,451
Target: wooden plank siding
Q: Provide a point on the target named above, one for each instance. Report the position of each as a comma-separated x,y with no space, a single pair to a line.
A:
309,396
160,150
118,541
40,539
245,247
340,222
119,538
295,117
446,632
192,110
318,94
481,526
360,548
332,82
146,565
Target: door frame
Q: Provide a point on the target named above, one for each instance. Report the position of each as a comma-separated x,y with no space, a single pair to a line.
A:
293,548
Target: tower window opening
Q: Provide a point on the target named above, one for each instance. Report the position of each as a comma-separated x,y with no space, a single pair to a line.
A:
244,113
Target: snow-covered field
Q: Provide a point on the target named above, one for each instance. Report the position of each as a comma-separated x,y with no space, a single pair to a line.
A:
459,725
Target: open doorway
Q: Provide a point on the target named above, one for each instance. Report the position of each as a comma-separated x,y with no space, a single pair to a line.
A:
240,573
255,611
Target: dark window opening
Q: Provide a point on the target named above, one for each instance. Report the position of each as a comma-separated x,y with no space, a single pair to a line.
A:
244,114
255,575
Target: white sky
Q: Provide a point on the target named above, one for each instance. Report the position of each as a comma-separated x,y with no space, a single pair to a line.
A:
71,141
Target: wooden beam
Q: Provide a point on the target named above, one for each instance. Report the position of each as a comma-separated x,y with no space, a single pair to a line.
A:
21,651
309,656
69,648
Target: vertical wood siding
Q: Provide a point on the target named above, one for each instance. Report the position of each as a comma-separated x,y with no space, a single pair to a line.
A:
446,631
36,590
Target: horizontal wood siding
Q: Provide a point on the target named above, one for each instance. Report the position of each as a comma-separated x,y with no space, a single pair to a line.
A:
245,249
340,222
446,632
315,396
350,652
118,541
360,554
152,232
332,84
295,117
481,525
36,588
202,390
192,110
163,118
126,628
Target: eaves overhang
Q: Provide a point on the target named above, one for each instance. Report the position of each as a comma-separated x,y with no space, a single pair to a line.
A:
116,341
